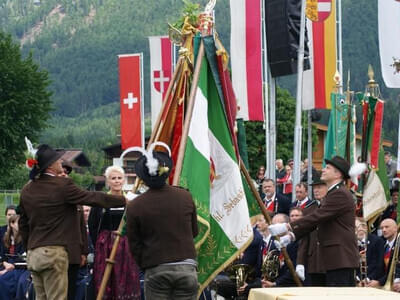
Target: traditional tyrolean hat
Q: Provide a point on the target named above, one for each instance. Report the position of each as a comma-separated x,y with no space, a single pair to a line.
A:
317,179
45,156
341,164
153,167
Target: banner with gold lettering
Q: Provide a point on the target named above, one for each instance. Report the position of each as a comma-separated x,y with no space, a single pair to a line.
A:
211,172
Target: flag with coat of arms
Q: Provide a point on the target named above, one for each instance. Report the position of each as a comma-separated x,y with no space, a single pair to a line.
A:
212,174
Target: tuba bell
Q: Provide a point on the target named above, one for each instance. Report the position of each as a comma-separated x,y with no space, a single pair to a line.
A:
388,286
271,265
241,273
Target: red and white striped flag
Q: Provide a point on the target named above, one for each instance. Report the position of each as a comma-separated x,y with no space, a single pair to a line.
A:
318,81
246,59
131,100
161,67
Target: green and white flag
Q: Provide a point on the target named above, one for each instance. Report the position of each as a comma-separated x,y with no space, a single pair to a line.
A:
340,139
211,172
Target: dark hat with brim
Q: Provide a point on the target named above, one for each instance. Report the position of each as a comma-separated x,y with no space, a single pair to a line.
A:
317,180
67,166
341,164
158,180
395,186
45,157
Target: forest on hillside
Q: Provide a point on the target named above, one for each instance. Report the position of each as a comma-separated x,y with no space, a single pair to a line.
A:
78,41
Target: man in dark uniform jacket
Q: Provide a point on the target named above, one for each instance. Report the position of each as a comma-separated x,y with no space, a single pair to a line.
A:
49,221
76,252
374,254
274,201
252,257
285,278
310,266
336,222
389,231
302,199
161,226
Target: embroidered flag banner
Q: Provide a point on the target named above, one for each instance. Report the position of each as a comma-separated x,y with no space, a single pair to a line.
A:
131,100
161,68
318,80
389,44
211,172
246,60
376,189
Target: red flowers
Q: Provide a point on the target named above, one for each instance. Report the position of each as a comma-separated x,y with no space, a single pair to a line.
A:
30,163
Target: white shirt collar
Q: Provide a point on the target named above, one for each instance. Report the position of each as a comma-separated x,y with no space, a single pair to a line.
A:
50,174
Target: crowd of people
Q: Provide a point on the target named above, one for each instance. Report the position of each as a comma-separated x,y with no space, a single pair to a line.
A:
59,239
327,244
57,242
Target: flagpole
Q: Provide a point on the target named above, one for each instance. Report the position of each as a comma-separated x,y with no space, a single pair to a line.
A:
309,154
111,260
272,128
267,217
398,152
265,87
159,125
188,116
298,128
142,96
339,46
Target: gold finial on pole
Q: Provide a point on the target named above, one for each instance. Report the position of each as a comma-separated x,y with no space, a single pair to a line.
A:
349,93
372,88
371,74
337,79
348,80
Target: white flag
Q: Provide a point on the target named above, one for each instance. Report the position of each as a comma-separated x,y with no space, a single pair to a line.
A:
389,44
246,58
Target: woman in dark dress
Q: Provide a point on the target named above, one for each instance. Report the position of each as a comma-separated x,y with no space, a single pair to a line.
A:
14,277
124,280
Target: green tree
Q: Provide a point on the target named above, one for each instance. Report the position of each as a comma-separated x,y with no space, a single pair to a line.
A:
19,176
83,180
285,120
24,103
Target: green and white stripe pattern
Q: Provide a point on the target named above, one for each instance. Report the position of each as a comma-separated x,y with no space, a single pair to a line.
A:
211,173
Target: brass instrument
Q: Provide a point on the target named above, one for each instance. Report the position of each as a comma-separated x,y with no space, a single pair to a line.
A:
363,263
241,273
390,277
271,265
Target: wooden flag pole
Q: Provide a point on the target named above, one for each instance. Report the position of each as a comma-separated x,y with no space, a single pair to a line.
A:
188,116
267,217
111,260
159,125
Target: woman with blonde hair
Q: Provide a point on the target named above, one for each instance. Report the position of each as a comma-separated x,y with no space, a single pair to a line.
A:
124,279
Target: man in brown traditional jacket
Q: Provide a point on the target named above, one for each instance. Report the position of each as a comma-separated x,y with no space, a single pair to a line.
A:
336,226
48,222
161,226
